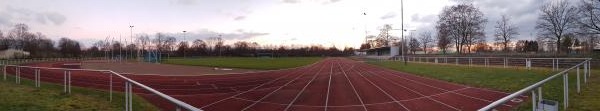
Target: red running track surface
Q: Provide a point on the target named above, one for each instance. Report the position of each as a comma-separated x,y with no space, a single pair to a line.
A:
335,84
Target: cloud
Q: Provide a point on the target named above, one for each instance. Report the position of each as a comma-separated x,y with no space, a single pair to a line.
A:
203,34
238,18
333,1
185,2
11,15
317,1
291,1
388,15
56,18
523,15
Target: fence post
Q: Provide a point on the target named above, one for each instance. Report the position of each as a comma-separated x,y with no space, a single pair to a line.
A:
4,69
39,73
126,90
111,86
585,72
557,66
35,77
69,82
533,101
486,62
505,62
65,81
578,87
456,61
540,93
470,61
18,74
565,90
589,68
446,60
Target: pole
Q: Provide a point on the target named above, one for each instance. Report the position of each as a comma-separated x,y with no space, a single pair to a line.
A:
402,29
131,38
184,40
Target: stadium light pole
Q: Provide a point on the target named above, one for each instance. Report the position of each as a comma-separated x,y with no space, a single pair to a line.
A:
402,27
220,47
131,38
184,40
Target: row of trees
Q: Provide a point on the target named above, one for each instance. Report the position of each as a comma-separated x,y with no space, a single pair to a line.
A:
211,46
463,24
462,27
37,44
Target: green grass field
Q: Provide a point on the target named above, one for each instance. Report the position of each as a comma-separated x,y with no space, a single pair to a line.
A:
50,97
246,62
508,80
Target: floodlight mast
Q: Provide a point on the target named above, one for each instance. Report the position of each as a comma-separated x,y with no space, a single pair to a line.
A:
184,40
402,32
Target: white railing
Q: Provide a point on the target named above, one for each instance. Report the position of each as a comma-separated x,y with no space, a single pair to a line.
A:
67,81
528,63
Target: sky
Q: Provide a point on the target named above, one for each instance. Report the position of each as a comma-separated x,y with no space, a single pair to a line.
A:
276,22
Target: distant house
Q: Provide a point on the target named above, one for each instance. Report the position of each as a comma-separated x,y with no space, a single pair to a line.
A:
13,53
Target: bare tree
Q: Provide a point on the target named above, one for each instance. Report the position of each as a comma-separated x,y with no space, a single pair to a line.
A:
589,21
464,23
589,16
426,40
443,38
556,20
413,45
143,40
505,32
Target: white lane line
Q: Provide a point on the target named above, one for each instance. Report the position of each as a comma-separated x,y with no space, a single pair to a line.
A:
303,73
328,86
281,104
380,89
355,92
230,97
411,90
445,89
214,86
304,88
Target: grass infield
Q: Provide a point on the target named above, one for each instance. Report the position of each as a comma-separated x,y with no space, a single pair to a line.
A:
50,97
509,80
246,62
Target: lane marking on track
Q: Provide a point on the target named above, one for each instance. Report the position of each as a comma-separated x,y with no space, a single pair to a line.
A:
418,82
304,88
214,86
422,95
380,89
288,74
303,73
328,86
355,92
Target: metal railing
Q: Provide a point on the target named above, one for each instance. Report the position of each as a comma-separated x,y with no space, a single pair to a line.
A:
67,81
532,88
528,63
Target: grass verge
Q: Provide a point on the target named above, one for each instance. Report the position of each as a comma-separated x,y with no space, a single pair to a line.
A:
246,62
50,97
508,80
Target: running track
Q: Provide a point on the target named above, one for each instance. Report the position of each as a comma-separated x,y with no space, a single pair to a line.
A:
333,84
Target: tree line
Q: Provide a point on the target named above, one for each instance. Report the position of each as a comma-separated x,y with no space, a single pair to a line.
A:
211,46
37,44
461,27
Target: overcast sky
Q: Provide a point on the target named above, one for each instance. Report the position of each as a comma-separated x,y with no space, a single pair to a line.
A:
277,22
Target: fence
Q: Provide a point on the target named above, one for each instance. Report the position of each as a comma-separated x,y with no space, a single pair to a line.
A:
99,79
567,64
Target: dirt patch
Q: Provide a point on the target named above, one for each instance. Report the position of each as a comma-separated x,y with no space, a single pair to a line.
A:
161,69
